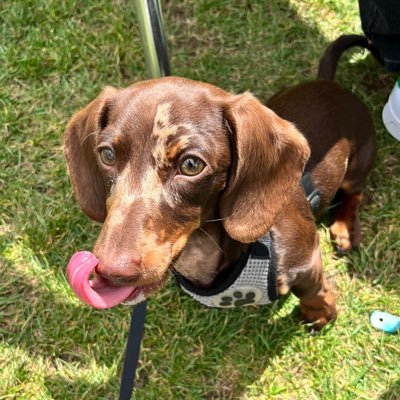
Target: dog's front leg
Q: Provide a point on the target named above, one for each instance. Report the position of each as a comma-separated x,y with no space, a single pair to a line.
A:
317,300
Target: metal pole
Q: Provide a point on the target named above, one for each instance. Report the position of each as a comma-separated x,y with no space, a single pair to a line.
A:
153,39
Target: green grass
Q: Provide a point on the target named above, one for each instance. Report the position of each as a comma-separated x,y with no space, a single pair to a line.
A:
55,57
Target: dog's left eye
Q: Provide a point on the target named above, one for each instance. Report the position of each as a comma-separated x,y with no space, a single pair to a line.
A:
107,155
192,166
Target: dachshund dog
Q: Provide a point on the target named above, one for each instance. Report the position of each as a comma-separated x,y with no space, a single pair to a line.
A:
185,175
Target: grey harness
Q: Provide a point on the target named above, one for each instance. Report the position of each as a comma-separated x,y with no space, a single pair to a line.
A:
251,281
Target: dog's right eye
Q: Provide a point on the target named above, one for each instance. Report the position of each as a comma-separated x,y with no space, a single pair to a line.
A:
192,166
107,155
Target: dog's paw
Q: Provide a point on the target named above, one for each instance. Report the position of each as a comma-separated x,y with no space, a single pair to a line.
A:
341,236
319,310
346,234
318,318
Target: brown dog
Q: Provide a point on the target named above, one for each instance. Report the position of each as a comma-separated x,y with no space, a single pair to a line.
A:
185,175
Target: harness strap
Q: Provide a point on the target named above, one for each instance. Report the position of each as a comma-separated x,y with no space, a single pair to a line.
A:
132,351
313,195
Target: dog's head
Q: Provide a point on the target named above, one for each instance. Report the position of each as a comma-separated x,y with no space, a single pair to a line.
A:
155,160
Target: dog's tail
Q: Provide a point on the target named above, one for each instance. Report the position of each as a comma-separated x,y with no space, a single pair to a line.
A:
330,59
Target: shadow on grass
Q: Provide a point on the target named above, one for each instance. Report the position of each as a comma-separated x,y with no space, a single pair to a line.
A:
393,393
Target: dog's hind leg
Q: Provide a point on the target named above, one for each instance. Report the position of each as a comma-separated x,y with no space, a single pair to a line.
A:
345,229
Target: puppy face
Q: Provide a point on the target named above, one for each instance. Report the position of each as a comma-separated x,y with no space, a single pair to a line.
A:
164,160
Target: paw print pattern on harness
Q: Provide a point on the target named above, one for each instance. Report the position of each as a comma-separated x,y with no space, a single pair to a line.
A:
238,297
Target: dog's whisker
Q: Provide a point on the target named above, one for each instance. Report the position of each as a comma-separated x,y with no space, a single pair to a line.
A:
217,219
215,242
90,134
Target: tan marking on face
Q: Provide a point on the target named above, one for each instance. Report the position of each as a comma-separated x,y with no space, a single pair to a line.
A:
163,130
182,237
158,247
124,194
161,119
161,236
151,186
179,244
174,149
150,224
155,257
118,139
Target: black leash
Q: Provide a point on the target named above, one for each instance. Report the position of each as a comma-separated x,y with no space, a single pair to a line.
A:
132,351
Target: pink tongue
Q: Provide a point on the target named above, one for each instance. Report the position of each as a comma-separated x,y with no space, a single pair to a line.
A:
97,292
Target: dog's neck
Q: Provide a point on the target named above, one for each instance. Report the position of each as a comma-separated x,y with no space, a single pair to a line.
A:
208,251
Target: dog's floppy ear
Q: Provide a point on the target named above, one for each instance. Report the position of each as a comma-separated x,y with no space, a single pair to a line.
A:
269,155
79,142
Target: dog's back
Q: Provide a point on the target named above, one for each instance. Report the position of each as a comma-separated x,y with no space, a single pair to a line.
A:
341,135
